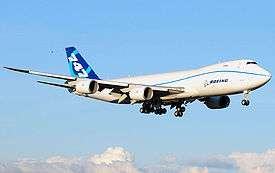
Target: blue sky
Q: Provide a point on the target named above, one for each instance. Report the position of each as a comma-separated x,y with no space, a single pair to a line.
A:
122,38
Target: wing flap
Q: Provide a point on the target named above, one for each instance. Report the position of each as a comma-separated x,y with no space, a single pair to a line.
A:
112,84
176,96
121,90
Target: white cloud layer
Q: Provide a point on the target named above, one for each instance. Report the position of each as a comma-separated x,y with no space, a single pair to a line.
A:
111,155
118,160
255,162
113,160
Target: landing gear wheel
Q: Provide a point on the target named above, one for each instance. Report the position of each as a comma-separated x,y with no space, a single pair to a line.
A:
146,108
179,111
245,102
164,111
160,111
157,112
178,114
144,111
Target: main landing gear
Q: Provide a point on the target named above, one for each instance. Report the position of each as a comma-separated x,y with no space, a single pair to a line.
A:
148,107
245,101
179,111
156,107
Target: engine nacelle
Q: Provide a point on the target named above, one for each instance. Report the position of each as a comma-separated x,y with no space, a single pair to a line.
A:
86,87
141,93
217,102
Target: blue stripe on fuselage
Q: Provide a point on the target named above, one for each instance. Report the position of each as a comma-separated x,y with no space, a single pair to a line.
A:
201,74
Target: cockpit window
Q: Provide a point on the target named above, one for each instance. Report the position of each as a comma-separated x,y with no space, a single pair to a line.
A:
251,62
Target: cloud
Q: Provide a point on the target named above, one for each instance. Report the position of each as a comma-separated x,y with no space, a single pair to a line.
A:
111,155
169,159
233,163
114,159
194,170
255,162
119,160
239,162
175,169
217,162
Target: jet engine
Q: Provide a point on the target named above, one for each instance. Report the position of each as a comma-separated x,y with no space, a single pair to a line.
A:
141,93
86,87
217,102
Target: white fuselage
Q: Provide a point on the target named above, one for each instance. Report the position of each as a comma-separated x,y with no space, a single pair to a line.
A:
226,78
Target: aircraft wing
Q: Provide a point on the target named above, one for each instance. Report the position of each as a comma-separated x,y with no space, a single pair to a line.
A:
119,89
122,91
106,83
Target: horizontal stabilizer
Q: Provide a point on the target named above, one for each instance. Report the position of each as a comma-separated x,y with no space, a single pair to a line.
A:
17,70
57,85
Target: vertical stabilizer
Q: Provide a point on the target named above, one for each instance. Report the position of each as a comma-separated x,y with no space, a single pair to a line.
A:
78,66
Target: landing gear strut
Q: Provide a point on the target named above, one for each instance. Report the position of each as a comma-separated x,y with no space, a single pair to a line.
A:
245,101
146,108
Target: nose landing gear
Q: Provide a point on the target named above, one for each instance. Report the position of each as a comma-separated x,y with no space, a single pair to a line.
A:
245,101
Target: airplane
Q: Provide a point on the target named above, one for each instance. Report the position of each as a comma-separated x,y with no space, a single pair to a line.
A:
210,85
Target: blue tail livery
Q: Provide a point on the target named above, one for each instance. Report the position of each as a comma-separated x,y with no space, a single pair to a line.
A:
78,66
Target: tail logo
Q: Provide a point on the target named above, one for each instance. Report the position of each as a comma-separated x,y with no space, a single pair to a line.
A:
77,66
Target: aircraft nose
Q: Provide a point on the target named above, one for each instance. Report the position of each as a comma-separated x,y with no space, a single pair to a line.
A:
268,75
